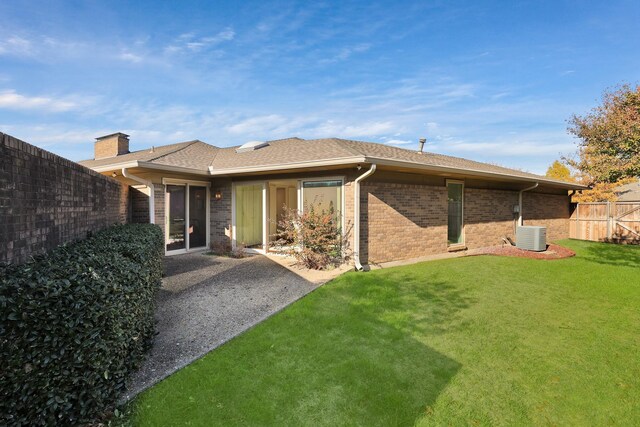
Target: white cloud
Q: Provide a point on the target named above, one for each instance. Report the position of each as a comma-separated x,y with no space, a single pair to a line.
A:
346,52
189,42
332,128
15,45
256,125
130,57
12,100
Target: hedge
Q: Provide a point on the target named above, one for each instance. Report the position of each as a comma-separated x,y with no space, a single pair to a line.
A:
75,323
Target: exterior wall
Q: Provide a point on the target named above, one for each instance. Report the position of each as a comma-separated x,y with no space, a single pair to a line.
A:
348,176
159,205
549,210
402,216
139,205
488,216
46,200
220,215
400,221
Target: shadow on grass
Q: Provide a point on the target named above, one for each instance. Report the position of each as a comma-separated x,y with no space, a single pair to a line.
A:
612,254
348,354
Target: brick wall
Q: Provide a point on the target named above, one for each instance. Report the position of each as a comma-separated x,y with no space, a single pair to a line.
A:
549,210
402,220
139,206
488,216
159,205
220,213
46,200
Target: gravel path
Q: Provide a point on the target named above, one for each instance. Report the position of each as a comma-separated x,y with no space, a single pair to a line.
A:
207,300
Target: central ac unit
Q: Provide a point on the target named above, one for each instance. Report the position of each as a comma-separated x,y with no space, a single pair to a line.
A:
531,238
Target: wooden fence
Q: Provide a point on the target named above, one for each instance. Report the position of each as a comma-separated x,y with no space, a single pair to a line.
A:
606,222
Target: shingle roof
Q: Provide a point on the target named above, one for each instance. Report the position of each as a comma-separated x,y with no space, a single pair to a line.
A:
283,151
148,155
291,151
629,192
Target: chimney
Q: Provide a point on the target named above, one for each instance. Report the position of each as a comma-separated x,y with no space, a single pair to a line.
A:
111,145
422,141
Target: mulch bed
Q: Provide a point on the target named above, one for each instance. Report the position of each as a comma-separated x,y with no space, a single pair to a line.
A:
552,252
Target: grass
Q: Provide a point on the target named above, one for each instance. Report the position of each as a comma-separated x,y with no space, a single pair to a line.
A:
477,340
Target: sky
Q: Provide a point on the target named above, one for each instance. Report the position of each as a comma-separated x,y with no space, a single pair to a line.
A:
493,81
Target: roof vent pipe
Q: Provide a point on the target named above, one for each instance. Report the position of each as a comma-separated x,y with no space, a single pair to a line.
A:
422,141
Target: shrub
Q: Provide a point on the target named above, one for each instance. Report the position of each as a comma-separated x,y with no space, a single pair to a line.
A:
75,323
313,238
225,249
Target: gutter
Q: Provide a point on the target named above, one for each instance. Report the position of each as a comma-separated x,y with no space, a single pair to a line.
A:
152,189
148,165
356,216
520,201
471,172
339,161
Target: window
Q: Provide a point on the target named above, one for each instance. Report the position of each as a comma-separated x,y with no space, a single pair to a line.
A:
455,195
323,196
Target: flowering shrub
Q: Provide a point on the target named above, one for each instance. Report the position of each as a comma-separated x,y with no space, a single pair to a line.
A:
313,238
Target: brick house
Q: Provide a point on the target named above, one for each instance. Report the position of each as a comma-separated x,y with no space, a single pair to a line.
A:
394,203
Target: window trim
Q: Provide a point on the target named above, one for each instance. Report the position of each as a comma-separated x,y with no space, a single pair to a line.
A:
462,243
301,182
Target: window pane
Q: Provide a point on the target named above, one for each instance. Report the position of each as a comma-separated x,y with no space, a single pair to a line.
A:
175,195
323,196
197,216
454,197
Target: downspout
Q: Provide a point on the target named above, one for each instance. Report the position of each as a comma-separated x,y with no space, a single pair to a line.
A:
149,184
356,216
520,201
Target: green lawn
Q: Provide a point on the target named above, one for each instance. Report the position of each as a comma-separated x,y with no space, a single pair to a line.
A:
476,340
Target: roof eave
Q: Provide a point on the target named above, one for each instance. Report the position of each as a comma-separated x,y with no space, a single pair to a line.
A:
149,165
473,172
287,166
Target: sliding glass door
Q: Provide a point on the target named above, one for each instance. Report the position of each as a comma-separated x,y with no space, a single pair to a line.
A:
186,207
197,217
176,213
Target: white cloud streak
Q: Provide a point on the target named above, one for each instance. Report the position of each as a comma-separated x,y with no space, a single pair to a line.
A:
188,42
12,100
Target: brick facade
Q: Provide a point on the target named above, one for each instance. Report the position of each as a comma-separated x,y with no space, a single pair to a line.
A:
404,220
159,205
549,210
46,200
139,206
220,213
400,221
488,216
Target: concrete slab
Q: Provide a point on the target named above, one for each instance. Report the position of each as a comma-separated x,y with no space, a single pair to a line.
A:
207,300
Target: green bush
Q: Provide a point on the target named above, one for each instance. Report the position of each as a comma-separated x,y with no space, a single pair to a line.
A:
75,323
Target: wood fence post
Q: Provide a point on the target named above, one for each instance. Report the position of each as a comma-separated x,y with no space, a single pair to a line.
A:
608,220
578,233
